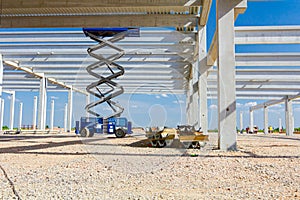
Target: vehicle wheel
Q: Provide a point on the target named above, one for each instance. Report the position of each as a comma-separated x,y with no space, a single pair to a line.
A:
120,133
85,132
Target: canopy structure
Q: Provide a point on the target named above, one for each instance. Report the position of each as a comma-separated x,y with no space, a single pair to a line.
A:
170,56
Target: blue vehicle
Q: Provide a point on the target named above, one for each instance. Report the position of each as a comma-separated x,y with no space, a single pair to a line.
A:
88,126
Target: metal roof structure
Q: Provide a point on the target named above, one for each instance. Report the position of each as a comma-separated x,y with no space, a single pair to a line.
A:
169,57
158,62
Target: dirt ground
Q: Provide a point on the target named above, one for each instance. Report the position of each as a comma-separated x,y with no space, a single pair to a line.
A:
68,167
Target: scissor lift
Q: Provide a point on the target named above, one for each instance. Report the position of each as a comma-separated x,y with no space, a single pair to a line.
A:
105,89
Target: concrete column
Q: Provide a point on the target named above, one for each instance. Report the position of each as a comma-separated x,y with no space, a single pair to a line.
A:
251,121
20,116
289,117
42,104
280,125
52,115
66,118
34,112
12,110
188,105
226,74
1,74
70,110
88,100
241,121
1,114
202,82
266,120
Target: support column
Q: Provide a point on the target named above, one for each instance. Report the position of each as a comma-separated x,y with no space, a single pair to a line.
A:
241,121
188,104
70,109
280,125
52,116
289,117
66,118
1,74
88,100
1,114
251,121
226,74
42,104
20,116
266,120
34,113
202,82
12,110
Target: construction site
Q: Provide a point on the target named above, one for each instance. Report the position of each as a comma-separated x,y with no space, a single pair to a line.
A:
149,99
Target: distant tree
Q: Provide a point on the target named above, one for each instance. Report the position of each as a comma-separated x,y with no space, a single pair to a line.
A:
47,126
5,127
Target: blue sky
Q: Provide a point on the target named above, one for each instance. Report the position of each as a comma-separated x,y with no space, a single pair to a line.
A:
169,109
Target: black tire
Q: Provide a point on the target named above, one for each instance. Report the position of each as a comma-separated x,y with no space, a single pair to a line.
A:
120,133
85,132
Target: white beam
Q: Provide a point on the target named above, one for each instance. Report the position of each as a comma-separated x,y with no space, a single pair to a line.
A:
202,80
52,115
251,121
87,102
1,74
34,115
66,118
289,117
267,35
226,74
1,114
280,124
12,110
42,104
266,120
70,109
241,121
20,115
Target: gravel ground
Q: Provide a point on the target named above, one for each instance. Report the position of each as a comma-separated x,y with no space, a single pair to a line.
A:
67,167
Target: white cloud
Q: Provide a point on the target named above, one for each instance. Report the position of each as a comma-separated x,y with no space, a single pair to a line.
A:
213,107
178,102
9,97
249,104
239,105
158,97
134,106
55,98
276,106
18,100
165,95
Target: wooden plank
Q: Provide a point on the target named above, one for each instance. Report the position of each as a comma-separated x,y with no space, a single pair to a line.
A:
92,3
205,12
98,21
